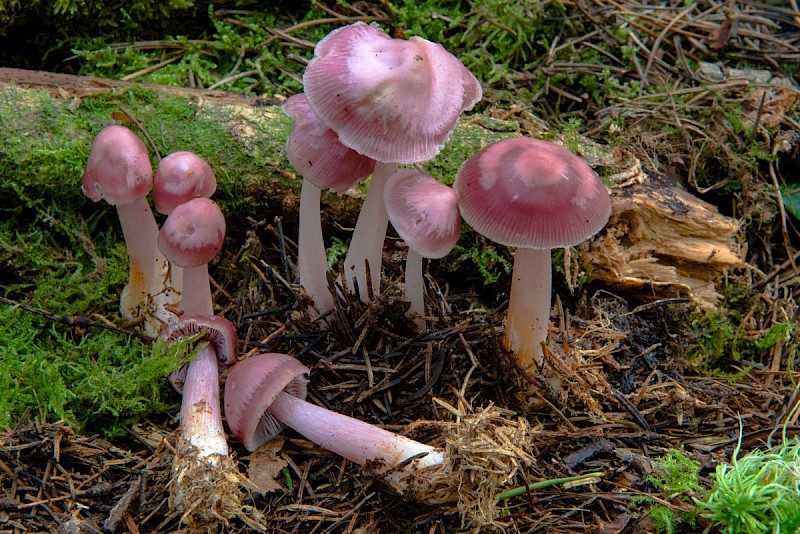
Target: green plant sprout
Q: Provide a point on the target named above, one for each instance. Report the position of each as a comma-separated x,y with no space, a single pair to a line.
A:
759,492
588,478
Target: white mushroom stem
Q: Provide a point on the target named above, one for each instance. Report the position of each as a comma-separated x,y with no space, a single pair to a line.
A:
201,418
369,235
529,307
146,260
414,290
196,291
381,451
312,262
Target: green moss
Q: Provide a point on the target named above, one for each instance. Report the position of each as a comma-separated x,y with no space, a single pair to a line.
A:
715,341
98,382
677,478
757,493
48,143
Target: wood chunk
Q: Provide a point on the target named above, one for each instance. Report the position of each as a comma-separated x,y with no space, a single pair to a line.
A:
663,242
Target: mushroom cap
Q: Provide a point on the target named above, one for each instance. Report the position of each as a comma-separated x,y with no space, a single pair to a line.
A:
523,192
219,333
193,233
392,100
118,169
252,386
423,211
316,152
180,177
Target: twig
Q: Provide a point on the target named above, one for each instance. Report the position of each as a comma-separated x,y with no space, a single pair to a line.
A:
75,320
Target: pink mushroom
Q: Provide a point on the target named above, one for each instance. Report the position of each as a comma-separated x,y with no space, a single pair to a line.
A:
198,380
392,100
190,238
533,195
425,214
118,171
325,163
265,392
180,177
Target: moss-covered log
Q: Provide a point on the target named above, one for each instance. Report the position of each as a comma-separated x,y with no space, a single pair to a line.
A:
49,121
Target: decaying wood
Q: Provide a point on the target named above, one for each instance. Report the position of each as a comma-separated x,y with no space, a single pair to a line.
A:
71,86
662,241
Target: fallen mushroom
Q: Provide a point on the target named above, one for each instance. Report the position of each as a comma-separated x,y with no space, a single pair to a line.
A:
325,163
533,195
118,171
392,100
424,212
265,392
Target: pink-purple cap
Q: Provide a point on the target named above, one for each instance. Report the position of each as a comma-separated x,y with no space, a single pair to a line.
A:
193,233
530,193
423,211
393,100
250,389
180,177
316,152
118,169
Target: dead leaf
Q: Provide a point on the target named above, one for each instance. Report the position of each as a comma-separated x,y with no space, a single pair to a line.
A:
265,465
720,35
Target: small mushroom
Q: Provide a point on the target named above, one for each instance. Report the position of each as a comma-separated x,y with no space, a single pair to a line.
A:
203,485
190,238
118,171
533,195
265,392
325,163
198,380
425,215
180,177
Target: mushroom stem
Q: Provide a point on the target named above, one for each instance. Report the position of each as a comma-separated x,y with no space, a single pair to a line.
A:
311,259
529,307
414,290
380,451
201,418
196,291
369,235
146,261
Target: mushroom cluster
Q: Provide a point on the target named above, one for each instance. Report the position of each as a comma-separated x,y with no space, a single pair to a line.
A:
394,101
173,262
371,104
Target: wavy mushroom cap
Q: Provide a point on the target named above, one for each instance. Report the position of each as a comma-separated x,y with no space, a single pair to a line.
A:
193,233
392,100
316,152
180,177
118,168
251,388
217,331
424,212
523,192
